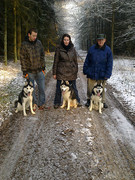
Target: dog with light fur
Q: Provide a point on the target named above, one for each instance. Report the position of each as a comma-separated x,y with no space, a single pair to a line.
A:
68,95
96,98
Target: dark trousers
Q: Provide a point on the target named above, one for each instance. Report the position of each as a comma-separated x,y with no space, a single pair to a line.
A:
57,99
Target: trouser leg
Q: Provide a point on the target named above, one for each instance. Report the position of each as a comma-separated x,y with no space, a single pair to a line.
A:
32,79
40,80
75,89
57,99
88,88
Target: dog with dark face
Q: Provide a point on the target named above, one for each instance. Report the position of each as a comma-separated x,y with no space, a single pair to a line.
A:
68,94
96,98
25,98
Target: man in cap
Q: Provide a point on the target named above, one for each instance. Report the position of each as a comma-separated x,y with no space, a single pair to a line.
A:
98,66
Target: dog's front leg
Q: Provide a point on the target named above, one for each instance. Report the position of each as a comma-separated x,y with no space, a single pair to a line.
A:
75,103
31,108
24,110
100,107
64,104
16,111
68,105
90,108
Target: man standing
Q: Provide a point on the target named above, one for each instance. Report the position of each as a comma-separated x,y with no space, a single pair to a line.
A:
98,66
32,59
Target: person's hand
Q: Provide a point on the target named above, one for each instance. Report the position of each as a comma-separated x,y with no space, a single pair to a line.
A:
54,76
25,76
43,72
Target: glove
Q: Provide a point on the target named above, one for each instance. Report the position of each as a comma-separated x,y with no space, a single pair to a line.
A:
25,75
43,72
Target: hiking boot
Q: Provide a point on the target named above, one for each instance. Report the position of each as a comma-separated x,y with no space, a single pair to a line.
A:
43,107
79,105
105,105
87,103
56,106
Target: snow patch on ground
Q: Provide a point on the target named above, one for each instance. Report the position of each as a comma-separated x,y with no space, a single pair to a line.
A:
123,80
11,83
125,131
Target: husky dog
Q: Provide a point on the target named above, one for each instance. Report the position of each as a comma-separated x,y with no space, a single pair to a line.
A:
25,98
96,98
68,94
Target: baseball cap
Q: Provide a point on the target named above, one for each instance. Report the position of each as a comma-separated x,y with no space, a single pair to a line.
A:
101,36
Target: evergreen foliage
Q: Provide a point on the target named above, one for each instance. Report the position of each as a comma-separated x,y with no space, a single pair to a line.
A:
21,16
116,18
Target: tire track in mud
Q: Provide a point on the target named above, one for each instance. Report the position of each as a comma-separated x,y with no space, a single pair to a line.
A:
117,153
70,145
15,151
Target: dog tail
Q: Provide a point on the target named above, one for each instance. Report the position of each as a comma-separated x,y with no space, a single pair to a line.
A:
15,104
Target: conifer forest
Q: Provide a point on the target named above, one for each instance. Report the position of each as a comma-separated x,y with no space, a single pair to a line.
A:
115,18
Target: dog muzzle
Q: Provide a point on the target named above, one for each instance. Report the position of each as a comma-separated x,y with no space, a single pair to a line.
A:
28,94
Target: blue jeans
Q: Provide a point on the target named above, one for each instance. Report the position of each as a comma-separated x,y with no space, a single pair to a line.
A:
40,80
57,99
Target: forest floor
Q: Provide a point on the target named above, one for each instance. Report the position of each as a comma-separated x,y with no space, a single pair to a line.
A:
69,145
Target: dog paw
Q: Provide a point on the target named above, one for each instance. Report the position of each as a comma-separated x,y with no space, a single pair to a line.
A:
33,113
68,109
62,106
25,115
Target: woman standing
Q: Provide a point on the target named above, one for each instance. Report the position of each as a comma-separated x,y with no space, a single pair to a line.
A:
65,67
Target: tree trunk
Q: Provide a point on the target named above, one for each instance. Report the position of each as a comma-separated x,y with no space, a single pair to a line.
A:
5,35
15,44
48,44
19,37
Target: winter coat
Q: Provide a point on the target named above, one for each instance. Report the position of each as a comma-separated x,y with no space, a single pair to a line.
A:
65,65
98,63
32,56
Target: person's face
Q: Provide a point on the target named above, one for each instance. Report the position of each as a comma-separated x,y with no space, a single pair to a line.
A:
32,36
101,42
66,41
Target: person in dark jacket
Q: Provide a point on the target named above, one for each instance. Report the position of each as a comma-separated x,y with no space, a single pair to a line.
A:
32,58
98,66
65,67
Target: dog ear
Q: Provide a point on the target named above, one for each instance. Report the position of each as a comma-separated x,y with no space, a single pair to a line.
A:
31,84
26,83
95,84
67,82
62,82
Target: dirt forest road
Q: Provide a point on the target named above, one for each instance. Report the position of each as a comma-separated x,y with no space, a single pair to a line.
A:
69,145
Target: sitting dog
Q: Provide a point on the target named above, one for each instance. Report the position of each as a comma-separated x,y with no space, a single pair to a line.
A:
96,98
68,94
25,98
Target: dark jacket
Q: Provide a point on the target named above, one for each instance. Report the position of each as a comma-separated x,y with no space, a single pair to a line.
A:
32,56
65,65
98,63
